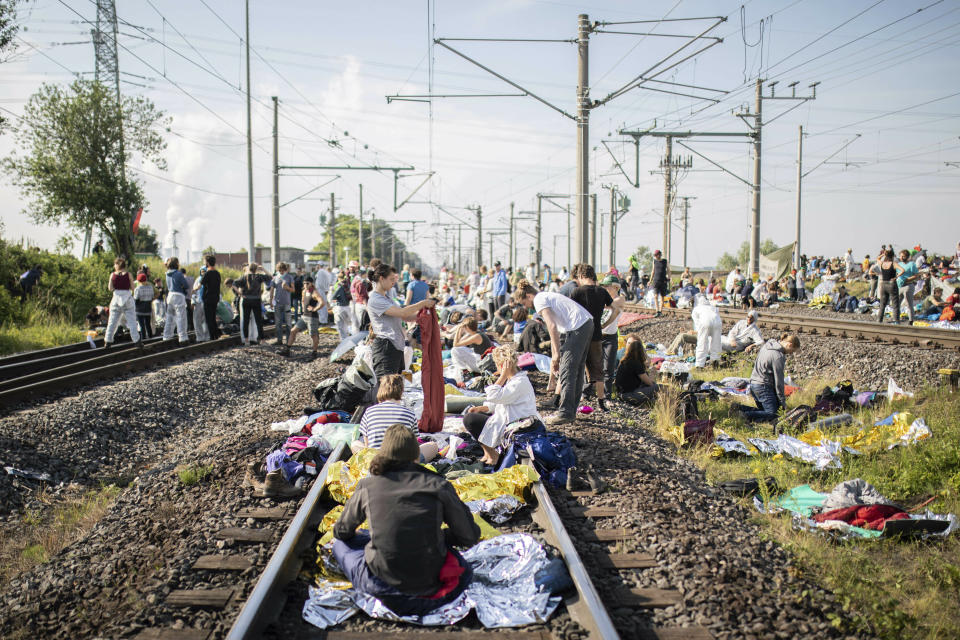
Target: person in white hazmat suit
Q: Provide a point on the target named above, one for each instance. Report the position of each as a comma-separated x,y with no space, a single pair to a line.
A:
709,328
121,304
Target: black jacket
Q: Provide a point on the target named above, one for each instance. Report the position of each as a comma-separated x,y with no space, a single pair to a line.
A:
405,508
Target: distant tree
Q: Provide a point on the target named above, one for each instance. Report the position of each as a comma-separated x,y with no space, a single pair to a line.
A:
73,145
644,256
728,262
146,241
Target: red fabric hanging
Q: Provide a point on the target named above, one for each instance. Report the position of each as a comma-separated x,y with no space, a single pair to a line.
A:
431,372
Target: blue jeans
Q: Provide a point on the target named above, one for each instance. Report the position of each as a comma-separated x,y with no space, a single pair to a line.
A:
768,404
349,555
281,317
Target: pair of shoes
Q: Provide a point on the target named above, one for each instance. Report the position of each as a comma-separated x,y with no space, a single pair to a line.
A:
276,487
558,418
284,350
602,405
251,479
279,342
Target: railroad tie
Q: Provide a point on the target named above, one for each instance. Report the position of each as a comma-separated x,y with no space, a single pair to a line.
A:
443,635
676,633
222,563
200,598
173,634
242,534
648,598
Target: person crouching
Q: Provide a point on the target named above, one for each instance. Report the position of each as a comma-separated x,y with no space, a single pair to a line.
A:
405,560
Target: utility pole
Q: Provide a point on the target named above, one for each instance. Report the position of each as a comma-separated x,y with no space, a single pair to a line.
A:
667,165
275,251
755,207
332,230
686,210
613,223
796,246
479,212
593,233
539,252
512,258
569,256
373,235
460,268
246,42
583,140
360,230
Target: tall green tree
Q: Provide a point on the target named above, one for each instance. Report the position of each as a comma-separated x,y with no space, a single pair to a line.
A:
146,241
73,147
644,256
8,31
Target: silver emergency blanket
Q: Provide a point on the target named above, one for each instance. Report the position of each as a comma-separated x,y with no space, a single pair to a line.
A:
503,591
822,456
851,492
498,510
729,444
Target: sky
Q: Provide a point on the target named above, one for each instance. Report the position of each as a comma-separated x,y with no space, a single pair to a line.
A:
882,143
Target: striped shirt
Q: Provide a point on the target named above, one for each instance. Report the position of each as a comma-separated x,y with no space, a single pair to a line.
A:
379,417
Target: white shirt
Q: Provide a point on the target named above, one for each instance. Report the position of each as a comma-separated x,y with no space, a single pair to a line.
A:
732,278
531,274
612,328
567,314
513,401
743,334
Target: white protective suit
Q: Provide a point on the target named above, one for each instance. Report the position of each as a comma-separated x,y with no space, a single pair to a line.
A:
709,327
176,316
122,307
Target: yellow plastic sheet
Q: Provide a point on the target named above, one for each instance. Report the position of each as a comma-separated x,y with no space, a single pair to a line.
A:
882,436
343,476
513,481
450,390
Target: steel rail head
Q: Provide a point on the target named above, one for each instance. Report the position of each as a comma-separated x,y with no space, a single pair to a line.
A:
598,623
258,611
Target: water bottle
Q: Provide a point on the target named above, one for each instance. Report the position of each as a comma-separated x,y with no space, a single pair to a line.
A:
832,421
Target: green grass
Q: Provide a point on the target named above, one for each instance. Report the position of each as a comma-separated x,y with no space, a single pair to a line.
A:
40,331
896,589
193,474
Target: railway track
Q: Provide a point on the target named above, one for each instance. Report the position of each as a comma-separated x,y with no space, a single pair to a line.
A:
52,370
256,614
867,332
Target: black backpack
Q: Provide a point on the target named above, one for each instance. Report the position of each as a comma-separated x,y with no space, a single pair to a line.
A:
688,408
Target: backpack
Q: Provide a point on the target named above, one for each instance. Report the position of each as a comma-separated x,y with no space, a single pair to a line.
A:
948,314
796,418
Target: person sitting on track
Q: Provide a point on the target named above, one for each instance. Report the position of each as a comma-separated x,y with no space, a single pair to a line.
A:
389,411
405,560
766,380
633,382
509,399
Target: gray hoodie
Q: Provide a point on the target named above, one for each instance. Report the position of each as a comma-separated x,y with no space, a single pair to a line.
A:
768,369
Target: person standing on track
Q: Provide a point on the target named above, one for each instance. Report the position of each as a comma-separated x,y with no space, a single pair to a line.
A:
498,288
210,295
121,284
282,285
249,288
888,271
342,315
386,321
562,315
611,332
594,299
312,302
143,297
659,280
176,314
906,282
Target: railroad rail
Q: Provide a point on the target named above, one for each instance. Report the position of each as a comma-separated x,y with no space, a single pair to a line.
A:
921,337
267,599
98,364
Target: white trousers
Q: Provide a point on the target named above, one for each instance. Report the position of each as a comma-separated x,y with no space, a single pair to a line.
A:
356,310
345,321
465,358
122,308
176,316
708,341
200,322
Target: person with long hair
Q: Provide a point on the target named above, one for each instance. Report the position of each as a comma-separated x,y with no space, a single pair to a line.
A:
249,288
888,271
121,304
634,383
509,399
405,559
469,345
386,321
